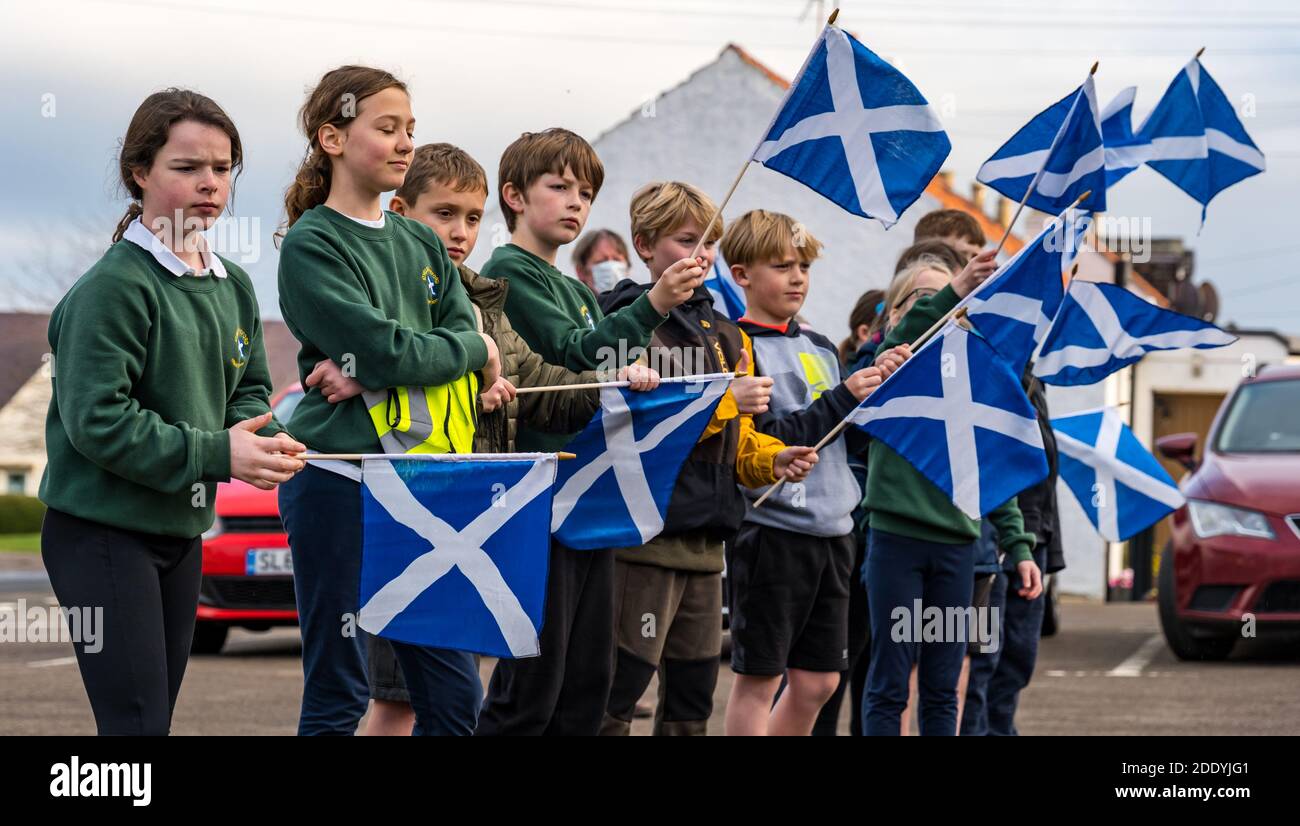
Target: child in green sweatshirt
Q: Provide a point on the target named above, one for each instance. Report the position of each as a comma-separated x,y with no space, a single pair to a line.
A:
160,390
377,294
548,181
921,547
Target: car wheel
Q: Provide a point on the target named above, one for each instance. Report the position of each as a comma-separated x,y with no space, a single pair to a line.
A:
1052,610
1181,642
209,637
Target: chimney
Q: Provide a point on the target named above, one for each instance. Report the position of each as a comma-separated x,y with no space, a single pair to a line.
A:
1005,210
977,196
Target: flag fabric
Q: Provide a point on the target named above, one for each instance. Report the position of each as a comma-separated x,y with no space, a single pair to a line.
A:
1101,328
1059,153
1013,309
455,550
728,298
855,129
1125,151
1196,139
616,493
1120,485
958,415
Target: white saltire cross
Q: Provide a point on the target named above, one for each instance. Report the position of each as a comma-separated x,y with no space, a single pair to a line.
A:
450,549
623,453
853,124
1052,184
1102,459
960,414
1118,341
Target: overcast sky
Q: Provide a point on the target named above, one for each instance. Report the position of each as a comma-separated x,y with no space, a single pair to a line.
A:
481,72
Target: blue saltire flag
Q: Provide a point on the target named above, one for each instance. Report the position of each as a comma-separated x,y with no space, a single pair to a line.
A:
1059,153
1013,309
1120,485
1125,151
855,130
1197,141
455,550
959,416
1101,328
615,493
728,298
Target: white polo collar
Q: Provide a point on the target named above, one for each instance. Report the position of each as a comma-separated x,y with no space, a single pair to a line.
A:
138,234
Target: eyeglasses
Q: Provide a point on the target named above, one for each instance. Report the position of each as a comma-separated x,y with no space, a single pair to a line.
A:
918,294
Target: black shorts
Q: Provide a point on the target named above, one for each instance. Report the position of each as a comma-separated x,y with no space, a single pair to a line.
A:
386,680
789,600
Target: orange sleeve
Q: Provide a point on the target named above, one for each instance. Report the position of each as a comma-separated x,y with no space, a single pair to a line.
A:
756,451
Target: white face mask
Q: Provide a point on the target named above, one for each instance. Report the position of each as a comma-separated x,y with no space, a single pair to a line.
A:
606,274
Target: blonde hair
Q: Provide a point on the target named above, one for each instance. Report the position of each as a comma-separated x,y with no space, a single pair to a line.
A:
661,207
760,236
903,284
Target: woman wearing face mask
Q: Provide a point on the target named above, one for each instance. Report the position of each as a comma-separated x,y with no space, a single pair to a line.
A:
601,260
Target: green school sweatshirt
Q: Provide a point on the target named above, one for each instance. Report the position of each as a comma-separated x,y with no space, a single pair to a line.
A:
386,302
902,501
150,369
559,318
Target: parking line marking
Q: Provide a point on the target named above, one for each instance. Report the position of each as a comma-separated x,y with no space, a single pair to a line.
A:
1138,660
47,663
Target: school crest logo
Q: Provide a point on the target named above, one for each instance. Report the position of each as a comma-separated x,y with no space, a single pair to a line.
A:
586,316
241,349
431,284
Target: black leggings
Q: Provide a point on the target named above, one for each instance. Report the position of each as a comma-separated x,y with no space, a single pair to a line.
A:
148,588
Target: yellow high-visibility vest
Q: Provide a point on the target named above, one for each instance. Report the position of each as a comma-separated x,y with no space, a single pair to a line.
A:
438,419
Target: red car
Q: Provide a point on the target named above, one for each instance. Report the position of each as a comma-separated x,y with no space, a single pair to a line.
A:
1234,554
247,570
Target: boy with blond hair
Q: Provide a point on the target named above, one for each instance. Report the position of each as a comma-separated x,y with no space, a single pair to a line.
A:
789,567
668,592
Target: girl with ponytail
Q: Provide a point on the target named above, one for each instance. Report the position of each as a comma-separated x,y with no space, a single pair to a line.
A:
378,295
160,391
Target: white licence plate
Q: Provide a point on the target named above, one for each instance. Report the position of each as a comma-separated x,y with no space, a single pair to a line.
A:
268,561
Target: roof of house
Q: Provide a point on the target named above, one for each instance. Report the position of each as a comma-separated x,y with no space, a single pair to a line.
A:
23,341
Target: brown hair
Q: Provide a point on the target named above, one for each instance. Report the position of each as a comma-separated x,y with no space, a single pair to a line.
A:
335,100
661,207
931,248
583,249
442,163
760,236
148,131
864,312
534,154
945,223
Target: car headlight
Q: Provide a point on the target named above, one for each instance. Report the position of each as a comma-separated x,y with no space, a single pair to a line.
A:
1212,519
216,529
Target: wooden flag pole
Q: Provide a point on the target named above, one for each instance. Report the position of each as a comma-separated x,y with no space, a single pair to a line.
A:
1034,183
594,385
935,327
717,213
1199,52
358,457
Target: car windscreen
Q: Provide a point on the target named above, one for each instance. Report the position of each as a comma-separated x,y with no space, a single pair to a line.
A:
1264,418
284,410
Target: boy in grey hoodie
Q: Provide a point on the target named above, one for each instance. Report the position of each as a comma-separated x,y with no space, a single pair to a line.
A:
788,569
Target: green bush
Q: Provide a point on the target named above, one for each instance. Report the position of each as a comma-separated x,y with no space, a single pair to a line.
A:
21,514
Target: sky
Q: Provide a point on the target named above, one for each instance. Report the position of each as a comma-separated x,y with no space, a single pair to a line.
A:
482,71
